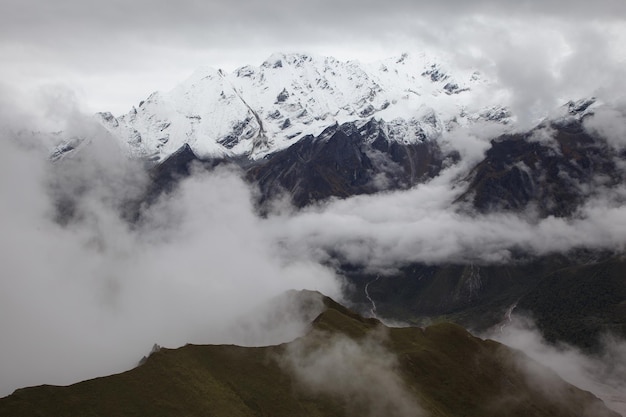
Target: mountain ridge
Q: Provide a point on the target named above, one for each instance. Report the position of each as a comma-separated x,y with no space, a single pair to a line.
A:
438,371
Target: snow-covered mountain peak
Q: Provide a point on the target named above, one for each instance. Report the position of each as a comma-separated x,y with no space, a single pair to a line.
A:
572,112
280,59
256,110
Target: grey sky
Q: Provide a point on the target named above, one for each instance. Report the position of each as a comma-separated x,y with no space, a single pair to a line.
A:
115,53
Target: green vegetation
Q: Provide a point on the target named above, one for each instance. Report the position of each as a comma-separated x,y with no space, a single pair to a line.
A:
572,299
579,303
443,369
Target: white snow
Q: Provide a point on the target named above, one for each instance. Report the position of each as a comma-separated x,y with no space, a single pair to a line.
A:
254,111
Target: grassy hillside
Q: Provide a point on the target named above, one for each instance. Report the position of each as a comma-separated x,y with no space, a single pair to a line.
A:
346,365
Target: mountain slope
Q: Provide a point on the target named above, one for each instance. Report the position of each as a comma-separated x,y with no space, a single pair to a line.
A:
580,303
346,365
573,299
553,169
343,161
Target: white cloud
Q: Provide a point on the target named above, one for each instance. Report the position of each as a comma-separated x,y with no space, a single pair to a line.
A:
422,225
609,122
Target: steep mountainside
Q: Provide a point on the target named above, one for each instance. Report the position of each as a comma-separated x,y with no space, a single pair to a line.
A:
552,169
346,160
345,366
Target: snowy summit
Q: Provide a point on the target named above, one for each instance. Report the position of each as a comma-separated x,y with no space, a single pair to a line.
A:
254,111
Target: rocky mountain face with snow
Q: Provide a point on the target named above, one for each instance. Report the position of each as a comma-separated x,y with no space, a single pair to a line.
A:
256,111
315,127
552,169
311,127
346,160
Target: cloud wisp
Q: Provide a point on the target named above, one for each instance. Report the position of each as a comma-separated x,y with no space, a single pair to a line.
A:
603,374
361,374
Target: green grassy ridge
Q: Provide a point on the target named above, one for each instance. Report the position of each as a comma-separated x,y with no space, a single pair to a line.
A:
443,368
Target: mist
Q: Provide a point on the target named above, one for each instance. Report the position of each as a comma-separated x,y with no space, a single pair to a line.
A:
420,226
90,295
361,374
603,374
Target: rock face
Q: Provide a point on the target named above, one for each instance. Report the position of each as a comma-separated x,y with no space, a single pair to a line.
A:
550,170
315,128
346,365
554,176
343,161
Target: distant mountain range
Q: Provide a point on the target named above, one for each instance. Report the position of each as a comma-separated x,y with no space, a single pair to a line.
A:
256,111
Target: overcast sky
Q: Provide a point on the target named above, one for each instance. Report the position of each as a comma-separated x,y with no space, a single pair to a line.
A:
114,54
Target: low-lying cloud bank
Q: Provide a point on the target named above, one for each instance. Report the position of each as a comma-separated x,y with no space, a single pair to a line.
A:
422,225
